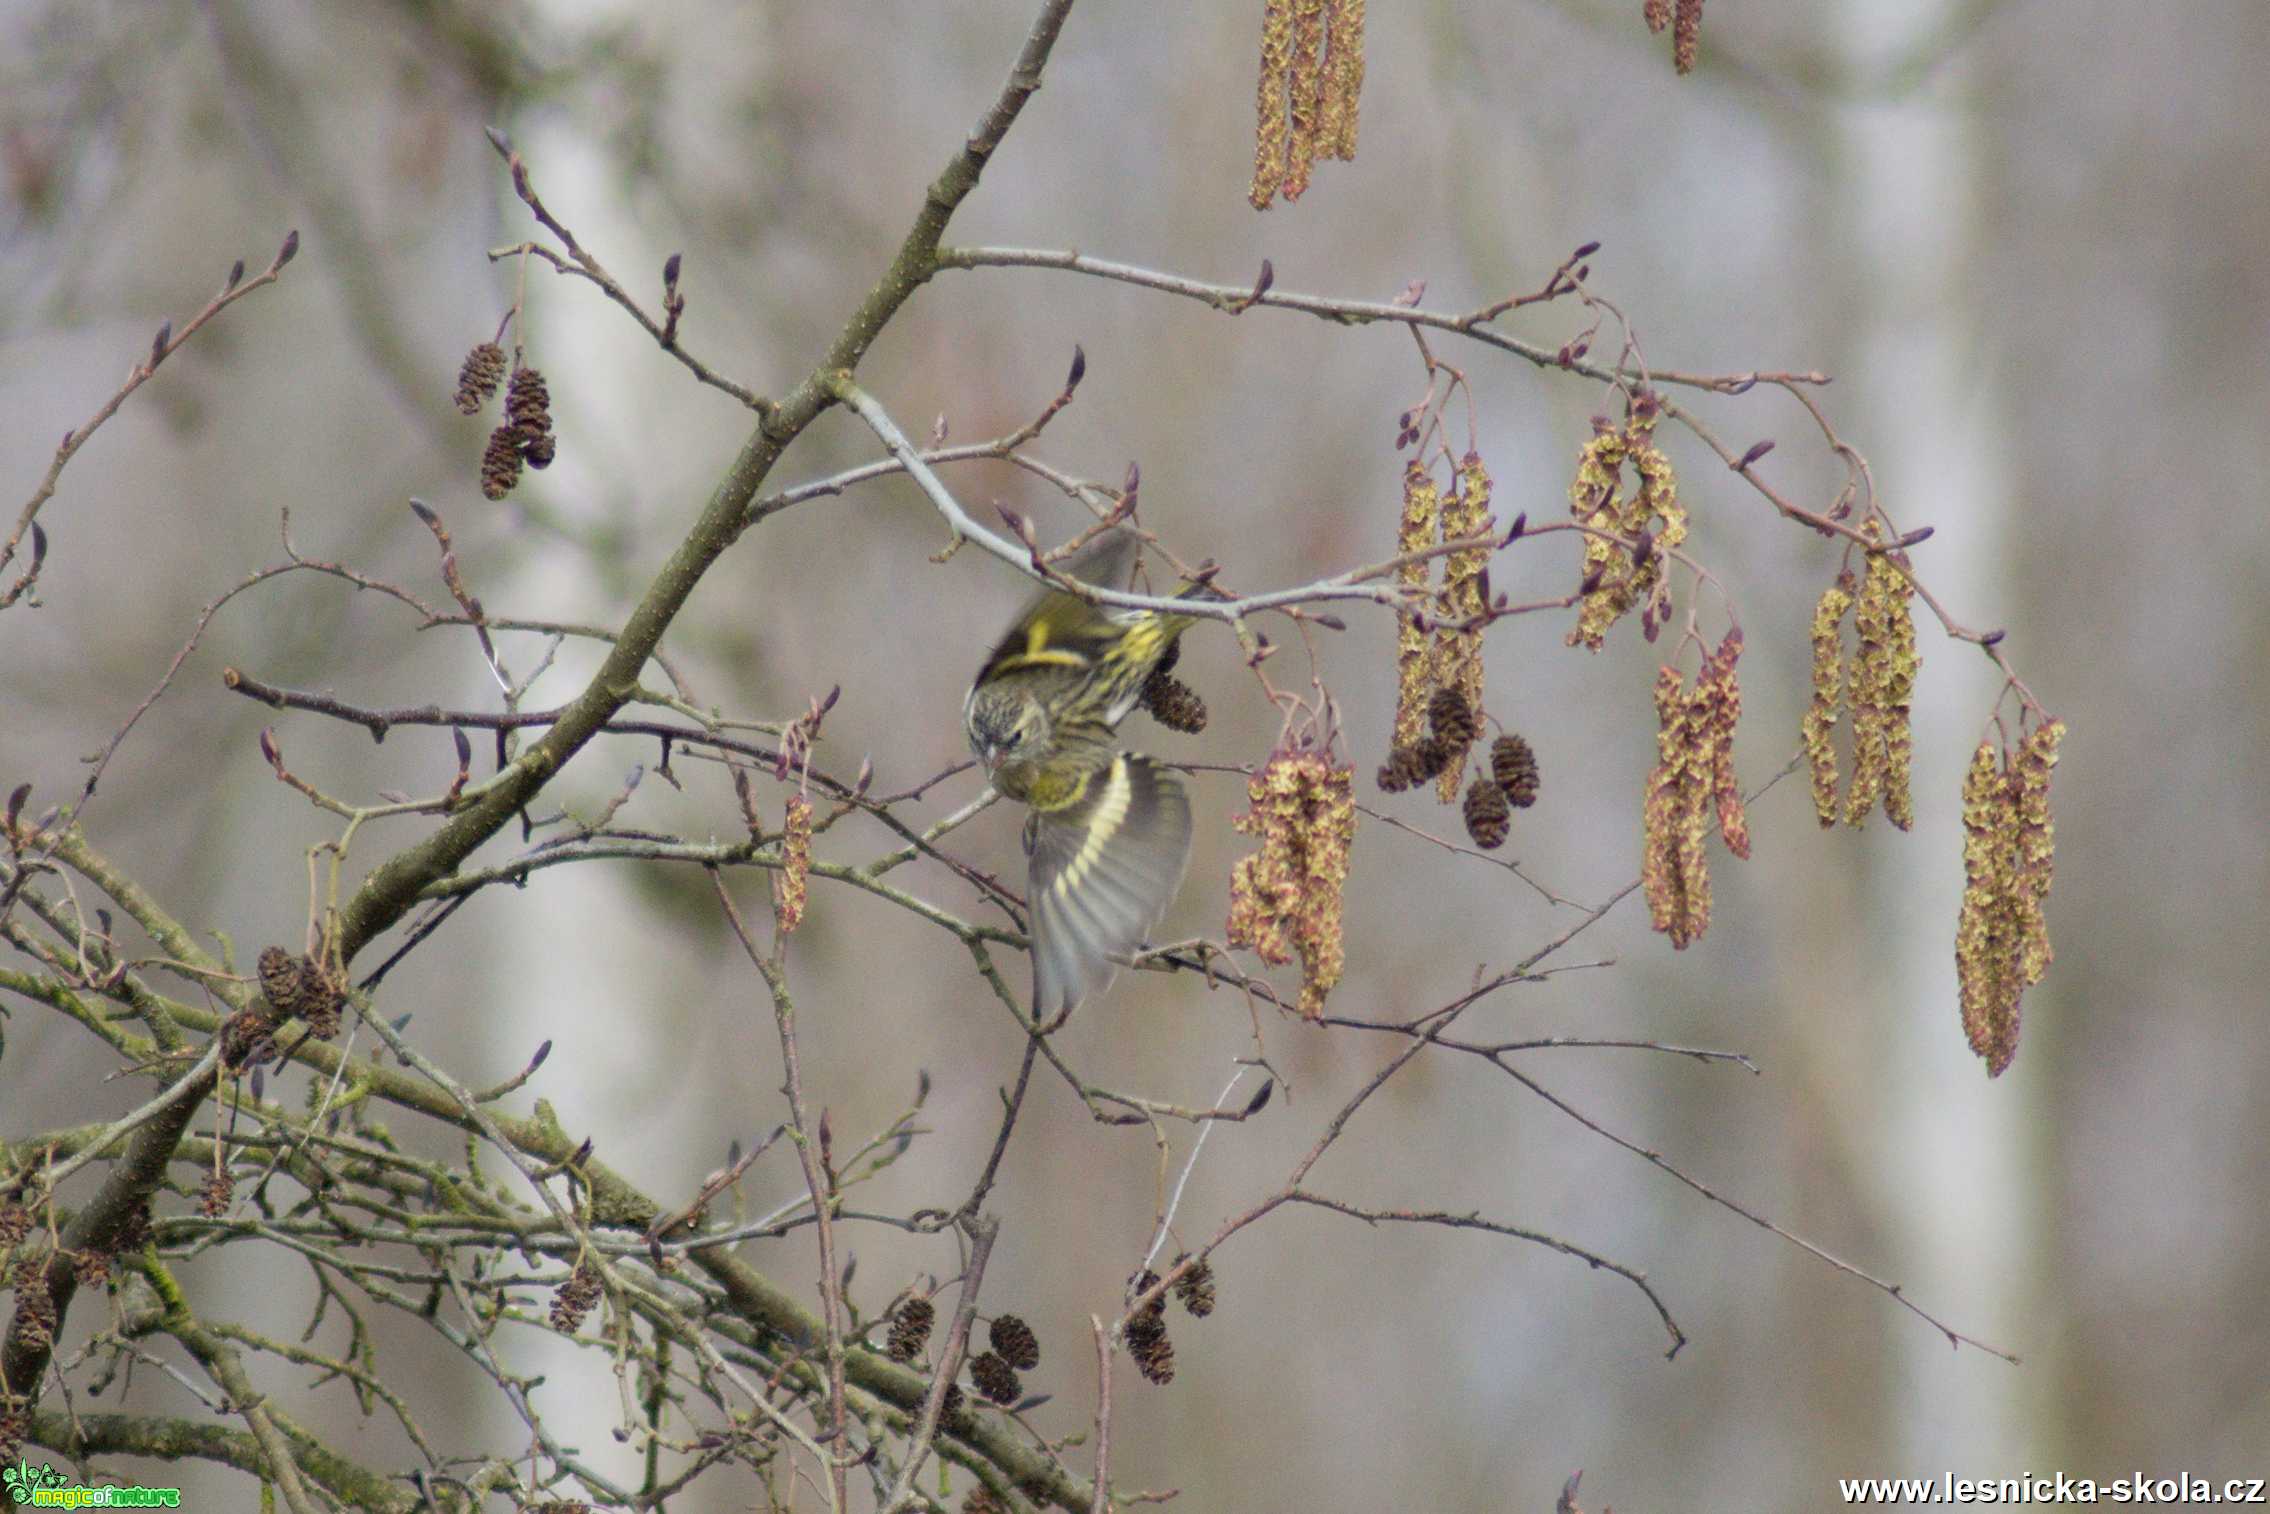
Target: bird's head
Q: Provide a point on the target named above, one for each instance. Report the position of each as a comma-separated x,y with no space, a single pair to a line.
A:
1008,727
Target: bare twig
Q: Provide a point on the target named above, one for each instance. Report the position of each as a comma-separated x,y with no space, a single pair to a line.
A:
982,1232
818,1179
167,342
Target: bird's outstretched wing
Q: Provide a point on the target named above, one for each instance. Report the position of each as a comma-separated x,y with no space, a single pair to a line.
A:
1103,870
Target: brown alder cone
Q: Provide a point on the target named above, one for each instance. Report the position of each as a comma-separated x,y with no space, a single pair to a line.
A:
500,462
1488,819
1195,1289
478,378
995,1379
1015,1340
1407,765
1174,704
910,1329
1514,767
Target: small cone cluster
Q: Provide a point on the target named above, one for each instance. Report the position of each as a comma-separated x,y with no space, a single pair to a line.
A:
2002,936
1286,897
1147,1340
1015,1349
1694,776
1450,731
289,986
1147,1335
1877,684
525,437
1510,784
1312,71
1407,765
1620,577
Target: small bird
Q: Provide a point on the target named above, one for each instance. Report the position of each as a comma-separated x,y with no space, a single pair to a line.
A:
1108,831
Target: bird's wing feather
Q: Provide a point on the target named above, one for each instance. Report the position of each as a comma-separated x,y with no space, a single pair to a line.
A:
1103,871
1061,629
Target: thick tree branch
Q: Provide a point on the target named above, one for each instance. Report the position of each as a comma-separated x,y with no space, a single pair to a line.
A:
394,886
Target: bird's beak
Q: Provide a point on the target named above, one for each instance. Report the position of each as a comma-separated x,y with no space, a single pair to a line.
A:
989,758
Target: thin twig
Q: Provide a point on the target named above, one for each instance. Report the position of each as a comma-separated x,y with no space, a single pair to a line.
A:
817,1180
167,342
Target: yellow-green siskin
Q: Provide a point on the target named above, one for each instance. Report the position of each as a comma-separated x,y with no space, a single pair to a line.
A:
1109,831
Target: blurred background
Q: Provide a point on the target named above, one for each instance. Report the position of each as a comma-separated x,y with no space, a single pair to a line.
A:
2026,236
